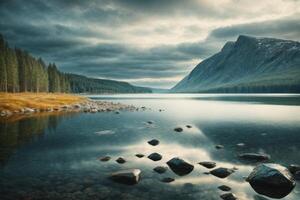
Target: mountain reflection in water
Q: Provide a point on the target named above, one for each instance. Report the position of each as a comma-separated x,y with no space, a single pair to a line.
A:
56,157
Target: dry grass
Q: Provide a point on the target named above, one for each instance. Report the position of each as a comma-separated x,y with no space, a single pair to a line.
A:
42,101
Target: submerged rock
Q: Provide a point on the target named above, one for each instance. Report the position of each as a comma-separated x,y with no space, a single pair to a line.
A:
120,160
228,196
207,164
128,177
139,155
150,122
222,172
254,157
105,158
219,146
167,180
224,188
178,129
272,180
160,169
180,167
153,142
155,156
188,126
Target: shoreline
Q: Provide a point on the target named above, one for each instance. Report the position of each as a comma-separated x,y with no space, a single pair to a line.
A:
23,104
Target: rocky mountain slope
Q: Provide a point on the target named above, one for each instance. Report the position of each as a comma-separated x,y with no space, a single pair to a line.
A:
247,65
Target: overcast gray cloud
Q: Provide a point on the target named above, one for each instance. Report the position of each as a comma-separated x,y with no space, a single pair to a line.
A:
146,42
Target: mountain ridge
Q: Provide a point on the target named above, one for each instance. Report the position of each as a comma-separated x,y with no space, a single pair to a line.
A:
247,65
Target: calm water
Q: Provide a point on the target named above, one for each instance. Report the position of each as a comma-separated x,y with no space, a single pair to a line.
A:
55,157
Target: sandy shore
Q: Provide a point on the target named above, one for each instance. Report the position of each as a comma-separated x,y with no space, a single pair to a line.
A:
32,103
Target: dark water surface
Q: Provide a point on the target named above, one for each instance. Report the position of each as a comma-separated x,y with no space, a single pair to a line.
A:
55,157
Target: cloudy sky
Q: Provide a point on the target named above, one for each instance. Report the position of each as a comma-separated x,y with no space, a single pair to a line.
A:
145,42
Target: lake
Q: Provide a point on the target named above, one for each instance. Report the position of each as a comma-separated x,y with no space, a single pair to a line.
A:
57,156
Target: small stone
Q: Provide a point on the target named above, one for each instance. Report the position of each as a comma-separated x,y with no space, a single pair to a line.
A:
179,166
178,129
121,160
105,158
222,172
128,177
153,142
160,169
155,157
139,155
206,173
167,180
207,164
219,146
224,188
188,126
228,196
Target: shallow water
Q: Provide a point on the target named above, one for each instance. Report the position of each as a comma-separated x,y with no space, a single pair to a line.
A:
56,157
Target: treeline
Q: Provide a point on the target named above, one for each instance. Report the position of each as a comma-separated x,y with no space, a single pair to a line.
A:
21,72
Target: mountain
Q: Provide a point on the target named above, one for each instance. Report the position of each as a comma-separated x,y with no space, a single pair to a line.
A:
247,65
21,72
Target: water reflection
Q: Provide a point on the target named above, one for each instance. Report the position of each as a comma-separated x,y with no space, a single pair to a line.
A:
15,132
56,157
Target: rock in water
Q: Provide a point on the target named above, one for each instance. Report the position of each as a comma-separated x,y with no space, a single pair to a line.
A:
155,156
219,146
160,169
228,196
178,129
188,126
121,160
180,167
222,172
139,155
128,177
254,157
271,180
207,164
224,188
153,142
167,180
105,158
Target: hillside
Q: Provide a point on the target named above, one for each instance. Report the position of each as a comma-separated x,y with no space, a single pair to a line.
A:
247,65
21,72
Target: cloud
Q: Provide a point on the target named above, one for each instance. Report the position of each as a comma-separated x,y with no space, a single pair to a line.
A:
150,42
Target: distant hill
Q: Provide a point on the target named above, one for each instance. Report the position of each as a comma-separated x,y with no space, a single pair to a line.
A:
21,72
248,65
82,84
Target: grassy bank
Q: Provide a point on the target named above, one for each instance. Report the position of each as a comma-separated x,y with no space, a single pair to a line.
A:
42,101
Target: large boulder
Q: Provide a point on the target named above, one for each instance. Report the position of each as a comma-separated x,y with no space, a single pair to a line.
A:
180,167
254,157
271,180
128,177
